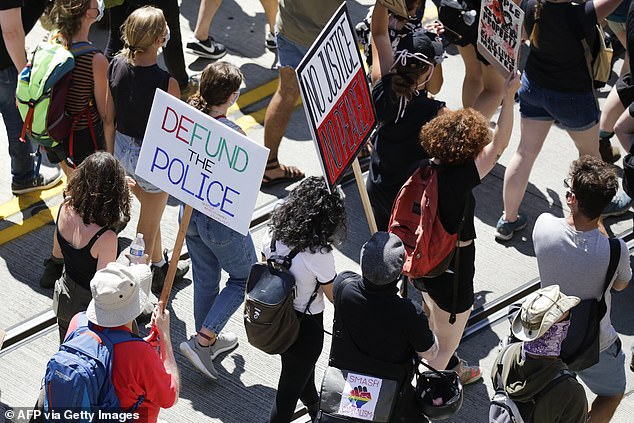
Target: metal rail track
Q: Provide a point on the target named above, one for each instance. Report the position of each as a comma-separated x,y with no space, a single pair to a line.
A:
480,318
40,324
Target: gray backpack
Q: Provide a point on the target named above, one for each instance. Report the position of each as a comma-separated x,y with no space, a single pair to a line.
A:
503,409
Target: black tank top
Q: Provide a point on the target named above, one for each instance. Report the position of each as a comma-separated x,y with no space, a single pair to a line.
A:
133,89
79,264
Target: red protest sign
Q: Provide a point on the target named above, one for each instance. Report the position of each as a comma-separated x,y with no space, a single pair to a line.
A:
336,96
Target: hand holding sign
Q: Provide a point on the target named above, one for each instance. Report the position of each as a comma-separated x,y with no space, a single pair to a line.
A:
500,33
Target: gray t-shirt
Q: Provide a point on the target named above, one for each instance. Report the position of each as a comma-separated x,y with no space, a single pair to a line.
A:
577,262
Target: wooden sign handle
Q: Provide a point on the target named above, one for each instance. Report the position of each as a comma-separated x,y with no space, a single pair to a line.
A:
178,245
364,196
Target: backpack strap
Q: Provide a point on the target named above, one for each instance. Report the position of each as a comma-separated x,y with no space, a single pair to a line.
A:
285,261
456,270
615,255
498,380
79,49
560,377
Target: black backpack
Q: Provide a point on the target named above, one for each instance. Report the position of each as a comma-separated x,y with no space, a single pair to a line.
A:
580,349
269,317
502,409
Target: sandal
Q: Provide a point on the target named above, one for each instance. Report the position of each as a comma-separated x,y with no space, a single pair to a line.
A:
291,173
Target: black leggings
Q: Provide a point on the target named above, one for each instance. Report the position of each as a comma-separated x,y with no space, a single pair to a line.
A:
173,51
297,380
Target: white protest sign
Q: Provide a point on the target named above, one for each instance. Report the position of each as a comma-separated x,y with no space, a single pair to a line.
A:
500,34
360,396
202,162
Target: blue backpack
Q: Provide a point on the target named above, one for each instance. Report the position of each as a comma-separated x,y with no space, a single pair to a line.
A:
79,375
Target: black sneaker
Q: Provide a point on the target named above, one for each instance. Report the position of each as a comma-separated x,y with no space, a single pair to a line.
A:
53,268
159,273
209,49
47,178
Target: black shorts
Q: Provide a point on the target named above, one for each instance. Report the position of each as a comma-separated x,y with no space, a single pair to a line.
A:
440,289
625,89
83,146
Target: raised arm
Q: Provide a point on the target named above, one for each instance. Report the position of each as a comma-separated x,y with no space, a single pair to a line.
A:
382,55
603,8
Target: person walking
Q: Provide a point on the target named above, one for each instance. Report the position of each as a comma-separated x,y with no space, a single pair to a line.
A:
556,88
400,97
531,371
212,246
310,222
96,199
464,153
17,18
573,252
133,77
405,333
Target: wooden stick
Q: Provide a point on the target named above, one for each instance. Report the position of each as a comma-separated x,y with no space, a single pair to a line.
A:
2,334
364,196
178,245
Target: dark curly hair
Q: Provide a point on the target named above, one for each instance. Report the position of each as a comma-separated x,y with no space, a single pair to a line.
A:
98,191
218,81
594,183
67,15
455,137
310,217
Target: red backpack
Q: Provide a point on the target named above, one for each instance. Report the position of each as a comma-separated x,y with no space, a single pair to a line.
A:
429,248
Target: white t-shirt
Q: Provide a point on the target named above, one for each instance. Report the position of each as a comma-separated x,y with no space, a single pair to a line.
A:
578,262
309,269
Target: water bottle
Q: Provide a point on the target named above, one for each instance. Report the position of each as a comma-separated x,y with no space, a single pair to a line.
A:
137,250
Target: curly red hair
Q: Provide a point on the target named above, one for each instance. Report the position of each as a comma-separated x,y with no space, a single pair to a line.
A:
455,137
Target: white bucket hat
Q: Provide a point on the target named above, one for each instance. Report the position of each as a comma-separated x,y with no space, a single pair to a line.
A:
540,311
119,294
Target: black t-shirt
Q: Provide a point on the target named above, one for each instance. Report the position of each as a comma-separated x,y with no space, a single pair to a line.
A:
455,185
397,150
133,89
558,62
31,12
381,324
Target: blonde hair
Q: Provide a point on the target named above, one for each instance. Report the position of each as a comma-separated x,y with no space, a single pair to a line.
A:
141,29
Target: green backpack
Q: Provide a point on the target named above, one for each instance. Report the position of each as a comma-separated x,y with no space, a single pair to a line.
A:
42,89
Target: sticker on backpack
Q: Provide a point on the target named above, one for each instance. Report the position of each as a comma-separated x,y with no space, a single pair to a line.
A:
360,396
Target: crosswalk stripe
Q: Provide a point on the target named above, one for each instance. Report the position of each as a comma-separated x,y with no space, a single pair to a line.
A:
40,219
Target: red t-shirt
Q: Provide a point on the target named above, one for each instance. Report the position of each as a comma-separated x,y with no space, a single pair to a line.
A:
137,370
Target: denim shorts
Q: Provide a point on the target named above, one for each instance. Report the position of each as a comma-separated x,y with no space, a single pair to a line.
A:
289,53
607,377
569,111
126,150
